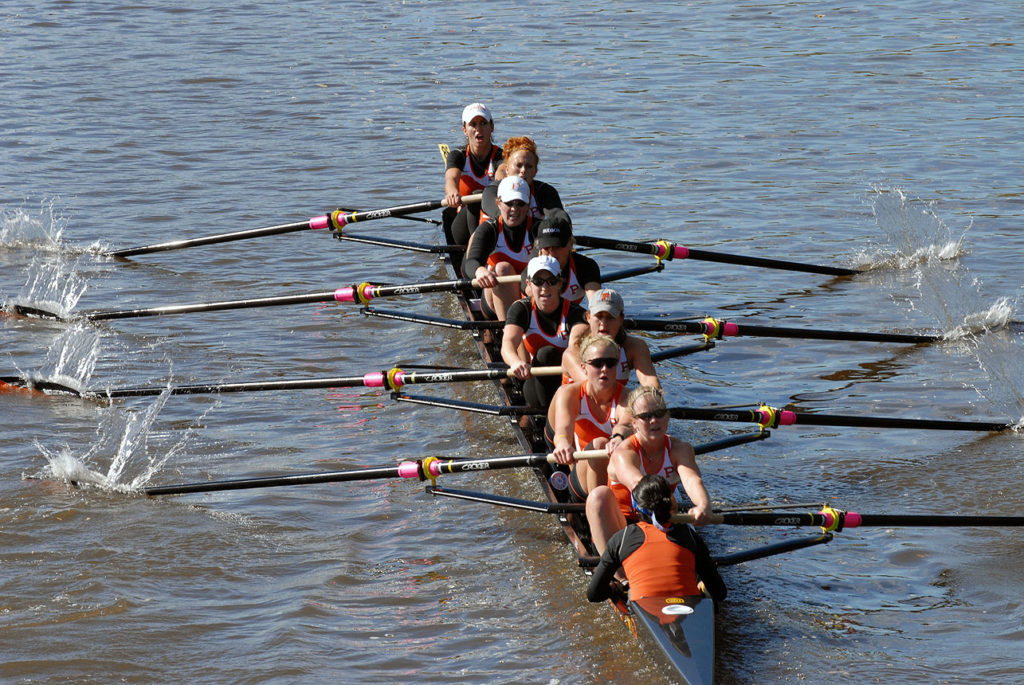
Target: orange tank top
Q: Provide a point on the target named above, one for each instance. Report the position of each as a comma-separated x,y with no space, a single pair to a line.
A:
589,424
660,567
517,256
624,495
536,337
469,182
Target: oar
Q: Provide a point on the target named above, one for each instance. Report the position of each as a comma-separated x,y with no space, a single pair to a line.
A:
836,520
420,469
662,249
362,292
335,221
407,217
715,328
391,379
770,417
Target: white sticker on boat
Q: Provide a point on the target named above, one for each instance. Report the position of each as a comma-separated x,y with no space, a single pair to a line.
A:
677,610
559,480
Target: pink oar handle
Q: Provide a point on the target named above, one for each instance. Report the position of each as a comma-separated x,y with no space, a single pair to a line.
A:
319,222
352,293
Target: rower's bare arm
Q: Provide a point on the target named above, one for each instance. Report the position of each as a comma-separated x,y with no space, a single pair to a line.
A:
639,355
565,407
511,340
451,187
570,358
624,466
690,478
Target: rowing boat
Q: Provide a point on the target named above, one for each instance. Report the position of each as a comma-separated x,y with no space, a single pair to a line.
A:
679,630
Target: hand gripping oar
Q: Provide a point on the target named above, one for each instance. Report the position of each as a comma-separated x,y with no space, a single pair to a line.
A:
715,328
392,379
431,468
362,293
335,221
662,249
833,520
770,417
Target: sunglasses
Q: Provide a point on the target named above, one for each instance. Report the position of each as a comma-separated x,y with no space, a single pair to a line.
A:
552,282
651,415
603,362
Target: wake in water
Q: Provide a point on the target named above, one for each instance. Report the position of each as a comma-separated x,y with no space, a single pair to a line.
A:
123,444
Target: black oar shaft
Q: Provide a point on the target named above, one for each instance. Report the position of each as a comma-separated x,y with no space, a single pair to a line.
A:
882,422
363,293
717,328
824,334
838,520
721,257
665,250
335,221
768,416
421,470
392,379
306,298
219,238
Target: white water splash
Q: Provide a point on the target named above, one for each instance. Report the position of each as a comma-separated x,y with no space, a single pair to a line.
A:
41,230
123,444
949,294
915,234
54,285
70,360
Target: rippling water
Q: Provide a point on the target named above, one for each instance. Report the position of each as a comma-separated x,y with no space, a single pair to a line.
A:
877,136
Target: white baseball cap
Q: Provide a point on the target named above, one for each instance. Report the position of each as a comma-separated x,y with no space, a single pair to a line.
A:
543,263
475,110
514,188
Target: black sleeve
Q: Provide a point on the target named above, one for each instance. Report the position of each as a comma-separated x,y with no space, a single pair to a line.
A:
587,270
489,201
621,544
456,158
574,316
705,566
547,196
518,313
485,237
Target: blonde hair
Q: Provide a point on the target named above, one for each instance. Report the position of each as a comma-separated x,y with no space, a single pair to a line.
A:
596,339
656,395
517,143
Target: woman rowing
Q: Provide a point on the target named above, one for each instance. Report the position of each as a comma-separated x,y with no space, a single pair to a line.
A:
521,159
537,330
649,450
501,247
469,170
586,415
582,275
660,559
606,316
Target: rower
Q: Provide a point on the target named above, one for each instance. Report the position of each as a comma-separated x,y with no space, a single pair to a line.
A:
501,247
521,159
581,273
659,559
587,415
606,315
469,169
537,330
649,450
